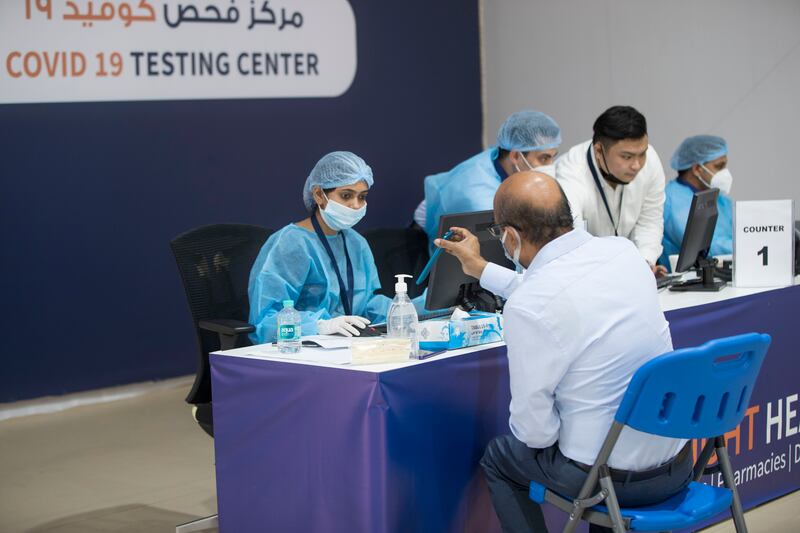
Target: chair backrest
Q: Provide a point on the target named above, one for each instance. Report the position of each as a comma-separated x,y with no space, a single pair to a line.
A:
698,392
398,251
214,262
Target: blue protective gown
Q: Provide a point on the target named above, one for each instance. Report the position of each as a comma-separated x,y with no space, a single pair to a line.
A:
676,213
469,186
293,265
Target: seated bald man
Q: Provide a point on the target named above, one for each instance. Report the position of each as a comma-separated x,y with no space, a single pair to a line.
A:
583,318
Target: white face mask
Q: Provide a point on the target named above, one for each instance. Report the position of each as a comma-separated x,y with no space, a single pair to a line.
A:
514,257
721,180
339,217
550,170
527,163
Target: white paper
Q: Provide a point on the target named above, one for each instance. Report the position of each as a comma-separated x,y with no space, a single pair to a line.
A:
314,355
330,342
459,314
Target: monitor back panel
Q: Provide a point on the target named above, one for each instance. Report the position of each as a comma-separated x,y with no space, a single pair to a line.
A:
446,274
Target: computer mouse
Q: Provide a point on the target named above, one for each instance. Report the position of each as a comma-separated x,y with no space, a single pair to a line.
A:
369,331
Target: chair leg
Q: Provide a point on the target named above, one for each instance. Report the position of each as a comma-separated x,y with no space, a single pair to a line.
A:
591,479
702,461
201,524
727,474
612,504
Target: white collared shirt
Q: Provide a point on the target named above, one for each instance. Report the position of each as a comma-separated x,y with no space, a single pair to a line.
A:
637,209
581,320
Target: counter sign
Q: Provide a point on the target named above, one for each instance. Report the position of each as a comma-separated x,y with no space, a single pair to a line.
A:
763,245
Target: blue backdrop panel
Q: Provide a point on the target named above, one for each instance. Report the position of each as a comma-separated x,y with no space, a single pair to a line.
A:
92,193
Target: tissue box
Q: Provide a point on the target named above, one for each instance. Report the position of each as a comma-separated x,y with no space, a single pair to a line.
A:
478,328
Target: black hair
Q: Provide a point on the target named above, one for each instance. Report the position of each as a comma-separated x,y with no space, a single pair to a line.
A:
502,152
617,123
327,191
536,224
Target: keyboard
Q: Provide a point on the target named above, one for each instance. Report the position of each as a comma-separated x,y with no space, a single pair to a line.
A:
381,328
666,281
441,313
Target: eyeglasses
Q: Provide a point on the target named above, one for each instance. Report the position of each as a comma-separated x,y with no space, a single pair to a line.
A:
496,230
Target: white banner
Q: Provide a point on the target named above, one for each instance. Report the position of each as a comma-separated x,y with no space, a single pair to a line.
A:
763,245
68,51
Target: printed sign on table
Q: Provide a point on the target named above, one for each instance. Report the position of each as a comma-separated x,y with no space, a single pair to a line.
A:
84,50
763,246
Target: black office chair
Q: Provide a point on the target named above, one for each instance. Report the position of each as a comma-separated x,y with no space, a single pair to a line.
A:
398,251
214,262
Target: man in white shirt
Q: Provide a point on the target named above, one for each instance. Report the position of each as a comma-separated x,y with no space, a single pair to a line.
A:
615,182
583,318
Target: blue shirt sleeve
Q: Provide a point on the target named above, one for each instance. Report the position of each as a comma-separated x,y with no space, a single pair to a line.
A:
375,306
678,199
722,243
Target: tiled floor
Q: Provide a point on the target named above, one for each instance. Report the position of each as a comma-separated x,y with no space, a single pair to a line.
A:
140,464
143,465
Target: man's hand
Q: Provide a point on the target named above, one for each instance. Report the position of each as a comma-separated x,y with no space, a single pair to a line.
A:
658,270
467,249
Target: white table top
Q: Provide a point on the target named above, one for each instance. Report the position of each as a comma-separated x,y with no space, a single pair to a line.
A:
680,300
669,301
376,368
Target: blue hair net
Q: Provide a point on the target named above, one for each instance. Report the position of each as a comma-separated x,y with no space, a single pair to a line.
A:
336,169
529,130
698,149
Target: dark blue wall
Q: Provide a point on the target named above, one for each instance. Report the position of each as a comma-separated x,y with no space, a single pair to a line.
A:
92,193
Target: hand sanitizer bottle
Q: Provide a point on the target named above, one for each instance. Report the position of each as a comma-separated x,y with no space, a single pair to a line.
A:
401,322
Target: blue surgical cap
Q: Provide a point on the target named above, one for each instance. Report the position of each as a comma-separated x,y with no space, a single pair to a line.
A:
336,169
529,130
697,150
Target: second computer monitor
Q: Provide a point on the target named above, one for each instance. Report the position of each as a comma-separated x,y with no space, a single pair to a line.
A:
447,277
699,229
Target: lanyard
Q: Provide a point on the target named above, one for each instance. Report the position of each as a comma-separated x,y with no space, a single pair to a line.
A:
347,295
600,188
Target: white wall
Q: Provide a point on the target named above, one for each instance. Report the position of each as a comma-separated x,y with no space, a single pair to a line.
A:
730,68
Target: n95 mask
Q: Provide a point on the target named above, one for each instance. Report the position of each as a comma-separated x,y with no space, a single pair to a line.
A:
550,170
722,180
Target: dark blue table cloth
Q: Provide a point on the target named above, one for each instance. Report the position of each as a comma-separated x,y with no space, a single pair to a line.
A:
319,449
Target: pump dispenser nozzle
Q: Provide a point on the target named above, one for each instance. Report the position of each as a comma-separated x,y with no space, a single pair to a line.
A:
401,285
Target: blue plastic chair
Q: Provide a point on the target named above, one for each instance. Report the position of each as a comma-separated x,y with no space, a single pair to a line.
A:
700,392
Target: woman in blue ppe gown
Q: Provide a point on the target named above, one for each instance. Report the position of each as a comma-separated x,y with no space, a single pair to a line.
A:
294,263
701,162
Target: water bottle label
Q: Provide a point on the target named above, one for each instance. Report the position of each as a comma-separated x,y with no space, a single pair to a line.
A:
289,332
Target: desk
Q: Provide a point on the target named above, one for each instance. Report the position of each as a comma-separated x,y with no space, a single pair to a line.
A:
304,447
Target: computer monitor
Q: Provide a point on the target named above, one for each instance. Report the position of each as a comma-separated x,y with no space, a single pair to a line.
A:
448,285
696,243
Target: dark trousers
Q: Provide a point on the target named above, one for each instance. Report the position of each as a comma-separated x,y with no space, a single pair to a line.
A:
510,466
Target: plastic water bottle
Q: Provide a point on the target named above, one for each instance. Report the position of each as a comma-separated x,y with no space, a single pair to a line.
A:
288,328
401,322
